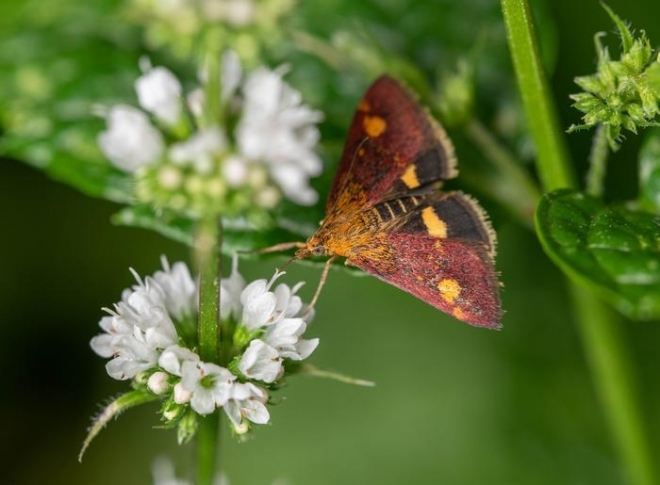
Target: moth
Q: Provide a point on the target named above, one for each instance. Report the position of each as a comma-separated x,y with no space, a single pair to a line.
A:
386,214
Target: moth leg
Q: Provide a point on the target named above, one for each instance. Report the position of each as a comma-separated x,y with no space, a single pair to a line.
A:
317,293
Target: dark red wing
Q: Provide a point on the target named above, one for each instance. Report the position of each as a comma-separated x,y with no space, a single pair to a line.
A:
454,276
393,146
442,252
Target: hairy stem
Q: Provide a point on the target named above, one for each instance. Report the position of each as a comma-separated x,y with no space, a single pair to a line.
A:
551,153
207,248
208,446
213,113
598,325
597,161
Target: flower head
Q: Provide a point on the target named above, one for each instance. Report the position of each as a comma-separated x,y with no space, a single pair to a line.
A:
216,169
142,337
277,129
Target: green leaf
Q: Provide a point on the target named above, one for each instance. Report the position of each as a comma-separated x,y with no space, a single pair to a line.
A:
613,250
113,410
626,36
649,173
56,78
52,80
237,235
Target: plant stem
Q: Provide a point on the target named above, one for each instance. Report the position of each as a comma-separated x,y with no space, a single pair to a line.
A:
212,104
603,340
517,190
551,153
597,161
208,445
599,327
207,248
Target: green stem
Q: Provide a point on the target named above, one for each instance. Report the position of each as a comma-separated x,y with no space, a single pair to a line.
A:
610,365
208,445
208,244
599,327
551,153
212,103
207,248
517,190
597,161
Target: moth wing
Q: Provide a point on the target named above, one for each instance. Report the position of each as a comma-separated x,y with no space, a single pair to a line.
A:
446,262
393,146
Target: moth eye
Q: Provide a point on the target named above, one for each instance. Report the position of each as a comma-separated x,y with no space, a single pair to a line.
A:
318,251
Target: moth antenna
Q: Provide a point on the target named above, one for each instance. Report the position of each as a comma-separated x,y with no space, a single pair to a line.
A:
274,249
317,293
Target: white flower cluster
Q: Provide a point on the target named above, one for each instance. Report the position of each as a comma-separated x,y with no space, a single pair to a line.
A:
270,153
140,336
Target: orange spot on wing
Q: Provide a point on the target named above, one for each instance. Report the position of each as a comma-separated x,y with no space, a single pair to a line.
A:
458,313
449,289
374,126
434,225
409,177
364,105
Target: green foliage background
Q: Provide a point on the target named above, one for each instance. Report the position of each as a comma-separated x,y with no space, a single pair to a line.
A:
453,404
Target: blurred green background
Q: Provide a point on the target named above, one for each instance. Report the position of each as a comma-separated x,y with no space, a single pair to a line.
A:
453,404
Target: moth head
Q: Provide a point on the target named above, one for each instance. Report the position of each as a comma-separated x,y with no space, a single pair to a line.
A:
313,247
318,251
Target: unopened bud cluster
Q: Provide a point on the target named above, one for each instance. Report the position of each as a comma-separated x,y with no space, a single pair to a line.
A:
623,93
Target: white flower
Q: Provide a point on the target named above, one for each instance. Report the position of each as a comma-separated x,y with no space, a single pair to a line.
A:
179,290
130,354
159,92
235,12
261,362
284,336
232,73
258,304
230,292
277,129
247,401
209,384
163,473
131,141
279,313
200,150
288,303
138,329
173,357
134,336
